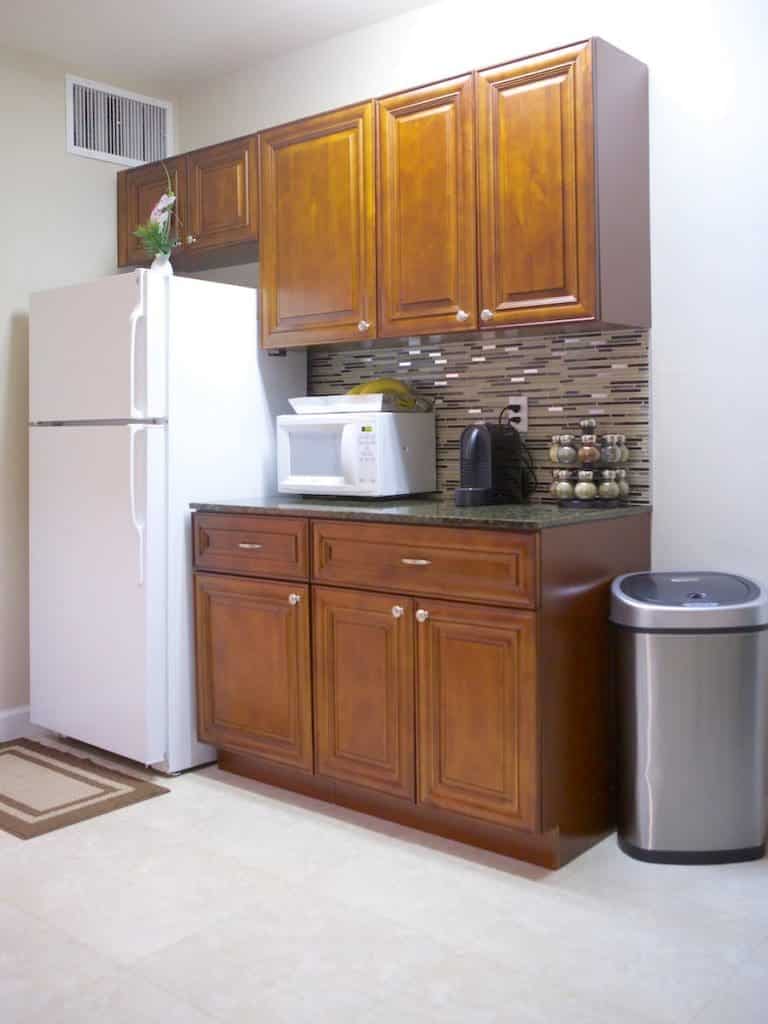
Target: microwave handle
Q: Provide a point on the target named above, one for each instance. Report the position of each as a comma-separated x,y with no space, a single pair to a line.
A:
349,453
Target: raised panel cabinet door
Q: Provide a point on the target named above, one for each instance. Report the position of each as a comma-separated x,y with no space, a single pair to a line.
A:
138,191
364,689
477,734
426,210
536,189
254,691
318,243
222,189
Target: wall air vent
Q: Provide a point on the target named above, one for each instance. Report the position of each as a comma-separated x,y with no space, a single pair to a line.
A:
112,124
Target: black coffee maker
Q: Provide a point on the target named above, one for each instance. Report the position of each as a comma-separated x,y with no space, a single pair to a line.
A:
496,466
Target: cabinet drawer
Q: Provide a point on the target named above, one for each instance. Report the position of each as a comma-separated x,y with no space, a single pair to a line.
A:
252,545
472,565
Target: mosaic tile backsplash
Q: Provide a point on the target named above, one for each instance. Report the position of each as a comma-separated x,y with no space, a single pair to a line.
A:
471,377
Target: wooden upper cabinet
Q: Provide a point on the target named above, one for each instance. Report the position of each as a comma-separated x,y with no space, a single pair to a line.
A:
364,689
138,191
426,210
477,712
318,273
513,196
254,689
222,194
536,179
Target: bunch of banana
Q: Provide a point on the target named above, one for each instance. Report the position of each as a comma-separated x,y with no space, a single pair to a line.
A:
398,392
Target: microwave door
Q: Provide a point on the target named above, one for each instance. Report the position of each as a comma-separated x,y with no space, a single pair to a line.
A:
316,455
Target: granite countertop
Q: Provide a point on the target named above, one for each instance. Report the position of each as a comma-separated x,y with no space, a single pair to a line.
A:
435,511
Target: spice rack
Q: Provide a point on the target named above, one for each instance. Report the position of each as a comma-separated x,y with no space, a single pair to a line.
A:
590,469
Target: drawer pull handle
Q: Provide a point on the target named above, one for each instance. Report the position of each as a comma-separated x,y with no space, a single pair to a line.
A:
294,599
422,615
415,561
249,547
397,611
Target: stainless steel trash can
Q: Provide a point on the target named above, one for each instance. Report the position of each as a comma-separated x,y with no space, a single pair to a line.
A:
692,678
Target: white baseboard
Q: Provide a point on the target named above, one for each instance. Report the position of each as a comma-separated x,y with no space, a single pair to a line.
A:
15,723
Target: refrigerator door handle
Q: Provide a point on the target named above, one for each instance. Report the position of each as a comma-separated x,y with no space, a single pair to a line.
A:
138,524
138,313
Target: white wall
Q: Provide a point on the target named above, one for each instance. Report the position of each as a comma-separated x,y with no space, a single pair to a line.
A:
709,182
57,218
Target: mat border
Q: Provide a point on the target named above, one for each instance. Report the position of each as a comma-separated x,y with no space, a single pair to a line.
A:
141,789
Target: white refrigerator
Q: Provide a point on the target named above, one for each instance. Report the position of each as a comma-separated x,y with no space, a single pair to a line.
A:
145,393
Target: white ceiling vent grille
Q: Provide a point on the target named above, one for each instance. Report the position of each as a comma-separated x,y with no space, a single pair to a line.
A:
111,124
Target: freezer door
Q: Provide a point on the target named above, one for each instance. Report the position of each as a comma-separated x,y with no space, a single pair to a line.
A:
98,351
98,586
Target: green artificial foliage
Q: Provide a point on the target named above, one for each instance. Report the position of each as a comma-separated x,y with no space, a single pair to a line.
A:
155,235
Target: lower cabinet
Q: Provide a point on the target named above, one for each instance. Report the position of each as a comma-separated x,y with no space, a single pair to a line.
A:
364,689
476,681
432,701
462,690
472,669
254,689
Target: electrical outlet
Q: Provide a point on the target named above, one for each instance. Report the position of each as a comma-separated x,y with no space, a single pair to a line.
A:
518,414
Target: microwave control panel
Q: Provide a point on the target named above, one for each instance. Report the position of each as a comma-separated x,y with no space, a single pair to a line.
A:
366,450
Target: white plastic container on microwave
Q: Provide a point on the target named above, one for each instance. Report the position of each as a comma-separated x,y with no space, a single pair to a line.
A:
366,455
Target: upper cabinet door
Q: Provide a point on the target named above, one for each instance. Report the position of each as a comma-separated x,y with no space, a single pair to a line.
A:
318,274
426,196
138,191
537,189
222,183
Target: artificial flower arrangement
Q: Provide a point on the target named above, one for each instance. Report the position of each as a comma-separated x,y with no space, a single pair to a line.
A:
155,236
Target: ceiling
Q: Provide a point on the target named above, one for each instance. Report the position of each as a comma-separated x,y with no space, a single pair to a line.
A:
174,42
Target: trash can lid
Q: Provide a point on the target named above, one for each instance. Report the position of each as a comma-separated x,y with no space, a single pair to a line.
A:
692,601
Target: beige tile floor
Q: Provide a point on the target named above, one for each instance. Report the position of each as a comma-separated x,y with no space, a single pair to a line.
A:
229,901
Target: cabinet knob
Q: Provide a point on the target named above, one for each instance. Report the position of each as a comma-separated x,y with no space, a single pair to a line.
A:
249,547
462,316
486,315
397,611
415,561
191,239
294,598
363,326
422,615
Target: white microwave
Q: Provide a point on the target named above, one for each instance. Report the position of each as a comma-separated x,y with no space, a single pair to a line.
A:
363,454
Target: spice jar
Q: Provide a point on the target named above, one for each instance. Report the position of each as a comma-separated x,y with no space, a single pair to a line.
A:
588,426
562,488
566,453
623,446
622,478
608,489
585,489
554,447
610,450
588,452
